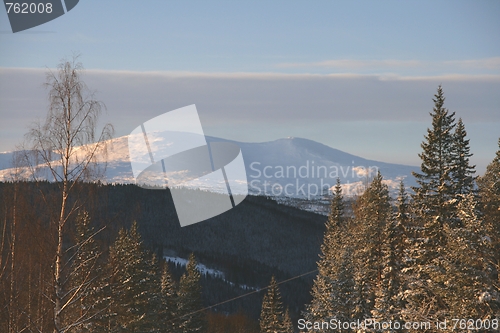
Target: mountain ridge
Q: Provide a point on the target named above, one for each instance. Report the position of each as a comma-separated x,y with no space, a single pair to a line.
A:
293,163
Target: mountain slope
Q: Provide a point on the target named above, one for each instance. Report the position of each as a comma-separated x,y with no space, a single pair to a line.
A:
292,167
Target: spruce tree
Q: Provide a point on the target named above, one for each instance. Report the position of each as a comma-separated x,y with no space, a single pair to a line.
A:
287,322
435,188
468,278
408,235
271,316
86,275
322,306
434,204
337,206
134,285
344,295
403,216
489,188
168,310
189,301
372,212
389,294
489,194
154,296
463,171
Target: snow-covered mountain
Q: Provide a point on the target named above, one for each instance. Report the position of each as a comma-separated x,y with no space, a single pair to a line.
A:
292,167
296,165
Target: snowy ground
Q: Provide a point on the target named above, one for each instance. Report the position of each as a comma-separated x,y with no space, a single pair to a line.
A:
204,270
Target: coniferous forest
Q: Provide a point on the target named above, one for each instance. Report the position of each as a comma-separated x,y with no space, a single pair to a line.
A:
81,256
426,257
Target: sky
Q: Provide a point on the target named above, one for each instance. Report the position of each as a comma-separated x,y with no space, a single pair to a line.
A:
358,76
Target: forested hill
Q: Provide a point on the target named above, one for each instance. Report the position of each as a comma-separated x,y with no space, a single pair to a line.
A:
248,244
260,229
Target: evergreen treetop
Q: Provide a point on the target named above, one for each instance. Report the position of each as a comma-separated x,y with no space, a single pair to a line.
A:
435,185
272,315
337,206
189,301
322,305
463,171
134,285
287,322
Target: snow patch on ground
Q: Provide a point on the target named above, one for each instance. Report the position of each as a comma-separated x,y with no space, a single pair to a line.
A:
204,270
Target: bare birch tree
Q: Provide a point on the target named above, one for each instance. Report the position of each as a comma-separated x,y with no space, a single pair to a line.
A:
69,148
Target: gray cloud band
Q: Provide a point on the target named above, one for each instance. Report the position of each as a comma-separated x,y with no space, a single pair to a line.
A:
205,179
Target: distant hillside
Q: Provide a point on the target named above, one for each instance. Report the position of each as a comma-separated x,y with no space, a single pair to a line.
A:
292,167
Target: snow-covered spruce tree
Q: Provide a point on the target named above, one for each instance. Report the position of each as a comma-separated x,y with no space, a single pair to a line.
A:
372,213
469,274
462,170
189,301
168,300
410,230
287,322
134,285
271,316
489,193
403,216
322,306
433,206
345,297
337,206
406,222
155,297
389,293
435,188
85,275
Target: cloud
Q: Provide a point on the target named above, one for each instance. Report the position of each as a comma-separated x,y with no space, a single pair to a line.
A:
394,65
349,64
342,110
263,97
488,63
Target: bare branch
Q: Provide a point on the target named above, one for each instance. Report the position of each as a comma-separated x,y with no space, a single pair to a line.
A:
63,147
